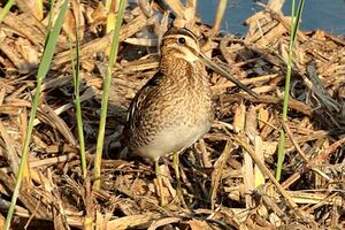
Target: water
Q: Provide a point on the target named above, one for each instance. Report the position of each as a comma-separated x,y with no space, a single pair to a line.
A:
328,15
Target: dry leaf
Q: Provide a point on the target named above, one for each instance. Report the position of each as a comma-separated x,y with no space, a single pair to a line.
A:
239,118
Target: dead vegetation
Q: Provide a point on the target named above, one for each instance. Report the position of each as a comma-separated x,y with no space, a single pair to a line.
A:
228,180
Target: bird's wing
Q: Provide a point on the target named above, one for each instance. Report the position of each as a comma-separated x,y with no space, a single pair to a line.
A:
140,97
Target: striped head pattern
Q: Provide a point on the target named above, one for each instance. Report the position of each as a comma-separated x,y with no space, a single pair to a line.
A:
180,43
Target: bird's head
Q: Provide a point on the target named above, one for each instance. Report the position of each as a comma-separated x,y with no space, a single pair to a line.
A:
180,43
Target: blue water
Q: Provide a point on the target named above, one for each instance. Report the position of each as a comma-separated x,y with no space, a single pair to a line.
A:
328,15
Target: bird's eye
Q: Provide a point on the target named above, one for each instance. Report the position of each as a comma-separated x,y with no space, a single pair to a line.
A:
181,41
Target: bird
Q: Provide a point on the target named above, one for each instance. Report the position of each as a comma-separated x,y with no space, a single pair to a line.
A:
174,108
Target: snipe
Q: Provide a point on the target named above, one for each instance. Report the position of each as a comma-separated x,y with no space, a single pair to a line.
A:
174,108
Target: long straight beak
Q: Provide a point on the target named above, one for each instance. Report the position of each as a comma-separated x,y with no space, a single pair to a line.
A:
209,63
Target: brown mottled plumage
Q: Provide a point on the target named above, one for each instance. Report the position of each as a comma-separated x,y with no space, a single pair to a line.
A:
174,108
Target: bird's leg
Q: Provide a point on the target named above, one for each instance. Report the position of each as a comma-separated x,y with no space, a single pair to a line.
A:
176,163
160,184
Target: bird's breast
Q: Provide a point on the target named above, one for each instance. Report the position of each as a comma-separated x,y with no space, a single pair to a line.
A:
174,114
174,138
177,125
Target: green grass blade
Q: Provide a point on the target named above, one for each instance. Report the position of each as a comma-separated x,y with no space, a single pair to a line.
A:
293,35
78,109
297,22
105,96
6,9
281,154
79,117
42,71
